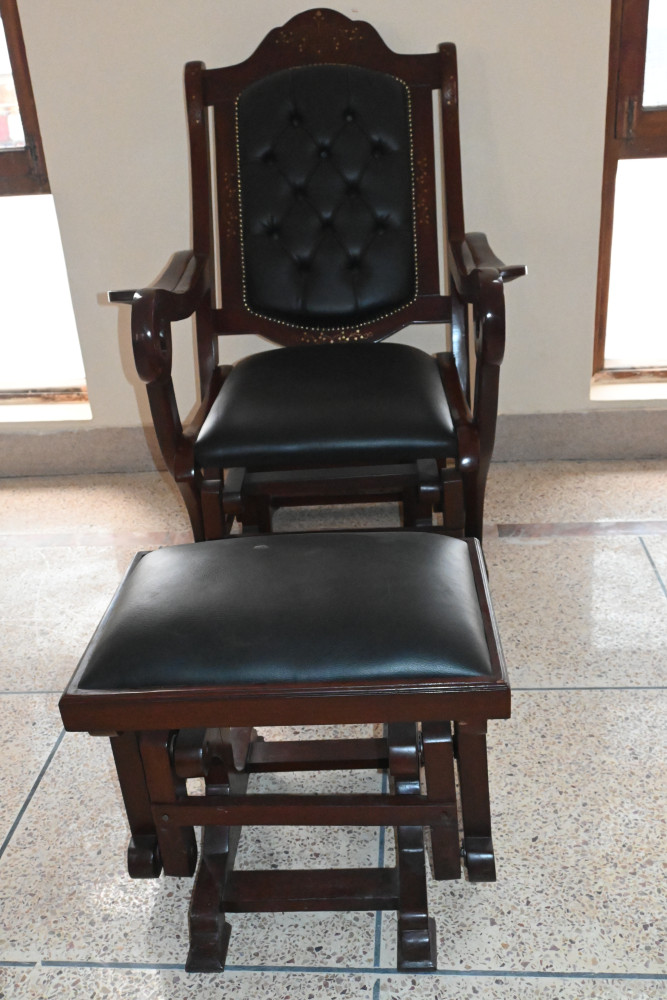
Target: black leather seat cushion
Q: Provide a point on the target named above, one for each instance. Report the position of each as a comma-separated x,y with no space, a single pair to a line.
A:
326,195
293,608
329,404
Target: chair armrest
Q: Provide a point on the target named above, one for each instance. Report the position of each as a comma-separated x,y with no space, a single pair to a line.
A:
125,295
479,276
181,280
174,296
472,254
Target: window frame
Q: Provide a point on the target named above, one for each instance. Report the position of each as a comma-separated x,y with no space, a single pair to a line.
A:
632,131
22,170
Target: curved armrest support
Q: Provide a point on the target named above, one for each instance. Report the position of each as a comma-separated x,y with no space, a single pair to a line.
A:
174,296
479,277
489,317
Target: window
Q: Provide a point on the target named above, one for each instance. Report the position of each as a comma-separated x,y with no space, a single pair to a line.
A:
39,349
22,166
631,335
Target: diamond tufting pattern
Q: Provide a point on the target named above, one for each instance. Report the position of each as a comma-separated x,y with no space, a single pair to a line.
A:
326,195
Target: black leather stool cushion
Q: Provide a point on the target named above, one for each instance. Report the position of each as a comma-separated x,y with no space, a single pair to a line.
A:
293,608
326,195
329,404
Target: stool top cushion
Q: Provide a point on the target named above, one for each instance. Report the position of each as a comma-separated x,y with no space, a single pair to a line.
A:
301,608
329,403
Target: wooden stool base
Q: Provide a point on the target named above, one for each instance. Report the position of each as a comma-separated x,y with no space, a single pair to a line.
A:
219,890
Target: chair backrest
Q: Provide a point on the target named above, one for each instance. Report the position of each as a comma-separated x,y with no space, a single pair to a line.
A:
323,193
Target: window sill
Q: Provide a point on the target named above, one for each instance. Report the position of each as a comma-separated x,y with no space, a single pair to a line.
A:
44,412
606,387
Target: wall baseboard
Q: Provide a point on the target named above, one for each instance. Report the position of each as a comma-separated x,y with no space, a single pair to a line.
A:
81,451
594,435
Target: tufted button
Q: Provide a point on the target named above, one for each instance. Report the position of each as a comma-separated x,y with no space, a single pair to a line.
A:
380,226
327,223
269,156
273,230
353,263
325,152
303,264
299,191
349,115
295,119
378,149
352,188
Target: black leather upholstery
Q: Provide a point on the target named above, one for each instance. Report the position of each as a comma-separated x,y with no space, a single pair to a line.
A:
326,195
329,403
293,608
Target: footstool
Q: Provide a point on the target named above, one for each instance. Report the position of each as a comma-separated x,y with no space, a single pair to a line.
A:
204,642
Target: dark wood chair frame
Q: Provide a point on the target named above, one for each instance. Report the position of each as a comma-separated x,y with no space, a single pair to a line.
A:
162,737
474,306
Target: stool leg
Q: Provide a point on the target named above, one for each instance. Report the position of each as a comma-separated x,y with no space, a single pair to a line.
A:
416,930
440,784
475,807
143,855
178,847
209,930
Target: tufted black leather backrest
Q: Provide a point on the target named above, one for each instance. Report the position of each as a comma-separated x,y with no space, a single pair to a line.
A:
327,201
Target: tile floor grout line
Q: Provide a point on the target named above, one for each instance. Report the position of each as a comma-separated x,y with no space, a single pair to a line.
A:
598,687
507,531
536,530
94,539
42,691
655,568
360,970
36,783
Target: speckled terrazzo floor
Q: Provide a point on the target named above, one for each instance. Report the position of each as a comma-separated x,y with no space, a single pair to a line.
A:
577,554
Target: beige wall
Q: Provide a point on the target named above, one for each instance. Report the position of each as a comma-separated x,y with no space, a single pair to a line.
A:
108,85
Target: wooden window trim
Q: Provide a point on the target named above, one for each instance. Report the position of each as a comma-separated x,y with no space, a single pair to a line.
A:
631,132
23,170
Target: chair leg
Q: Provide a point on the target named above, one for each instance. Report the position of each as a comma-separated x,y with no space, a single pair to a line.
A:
257,516
143,855
470,739
453,512
209,930
178,847
416,946
192,499
474,485
215,522
440,784
420,501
